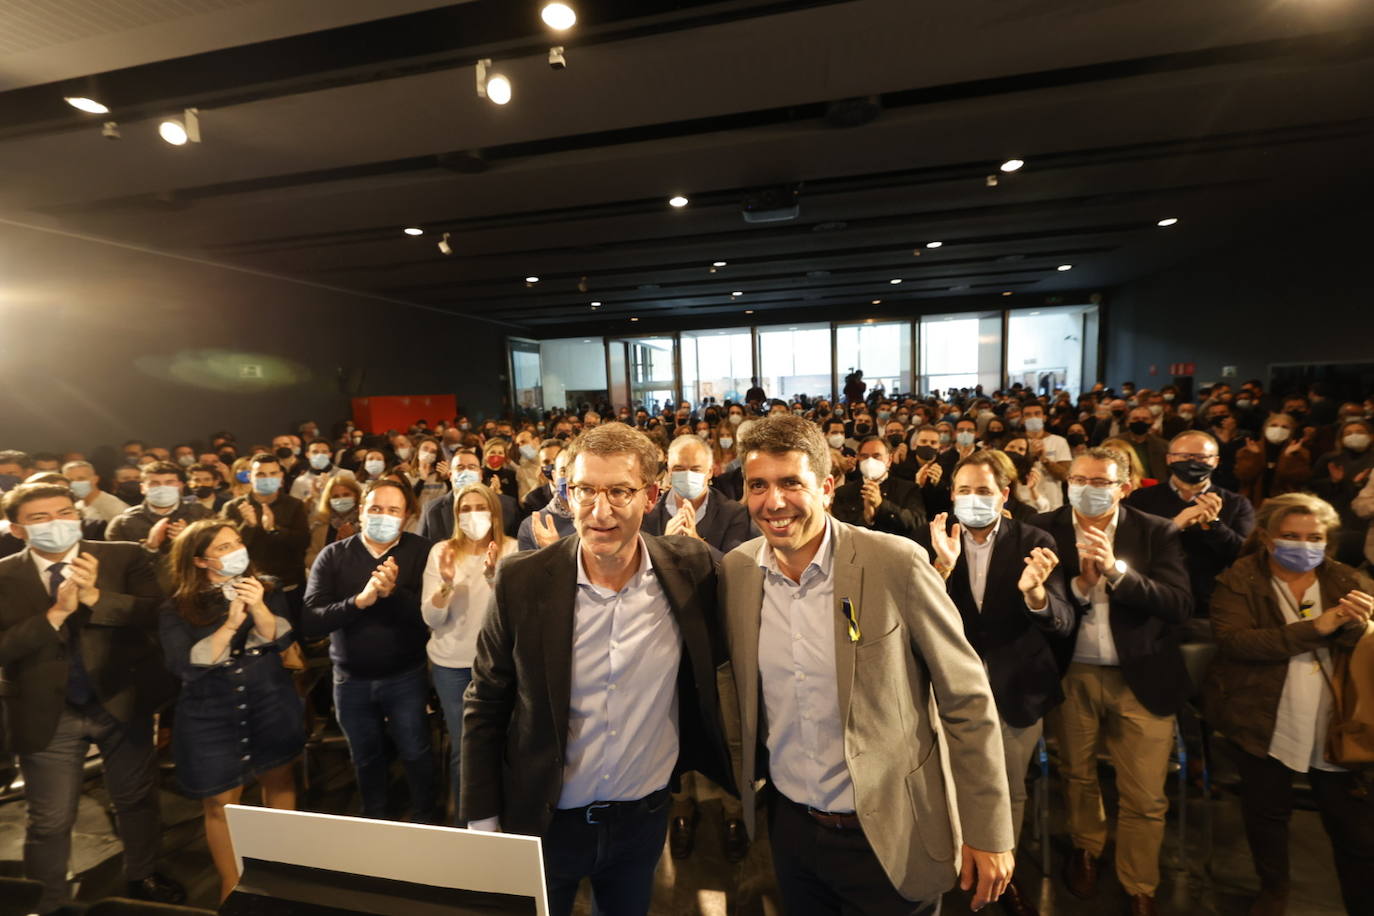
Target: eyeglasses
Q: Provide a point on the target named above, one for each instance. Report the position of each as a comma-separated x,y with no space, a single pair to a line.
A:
1191,456
617,496
1100,482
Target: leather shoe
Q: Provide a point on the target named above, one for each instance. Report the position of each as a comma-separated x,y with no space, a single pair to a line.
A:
682,835
1081,874
1142,905
158,889
1015,903
1269,903
736,840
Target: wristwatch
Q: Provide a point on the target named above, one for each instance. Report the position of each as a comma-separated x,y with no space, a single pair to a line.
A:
1117,571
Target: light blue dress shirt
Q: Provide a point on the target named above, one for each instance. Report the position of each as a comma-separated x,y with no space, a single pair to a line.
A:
800,695
623,714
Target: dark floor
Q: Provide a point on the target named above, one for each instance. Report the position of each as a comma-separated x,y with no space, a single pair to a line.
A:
707,884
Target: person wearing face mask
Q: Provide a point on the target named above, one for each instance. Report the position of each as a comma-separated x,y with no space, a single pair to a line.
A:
364,593
1002,576
161,516
1110,421
922,468
880,501
1151,449
538,497
691,507
496,472
553,522
465,469
335,516
275,527
1277,463
835,434
525,463
1213,522
1338,476
964,443
202,484
317,468
288,451
77,643
430,477
454,598
373,465
95,504
1284,616
238,716
1125,673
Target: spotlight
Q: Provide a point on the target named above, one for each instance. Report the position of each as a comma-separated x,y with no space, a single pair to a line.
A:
991,181
717,263
530,281
677,201
934,244
596,305
556,59
413,230
444,246
90,106
748,311
1063,267
183,130
1006,292
1012,165
1166,223
634,319
895,281
877,302
492,86
558,16
737,294
110,130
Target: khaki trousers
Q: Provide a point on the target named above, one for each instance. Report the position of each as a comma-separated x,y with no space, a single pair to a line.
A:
1018,745
1097,700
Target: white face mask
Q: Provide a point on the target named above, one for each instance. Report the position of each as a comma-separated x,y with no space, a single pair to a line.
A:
403,453
835,441
474,525
872,468
726,442
1277,434
1356,442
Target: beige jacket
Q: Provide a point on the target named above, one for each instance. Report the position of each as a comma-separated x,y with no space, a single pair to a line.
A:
913,798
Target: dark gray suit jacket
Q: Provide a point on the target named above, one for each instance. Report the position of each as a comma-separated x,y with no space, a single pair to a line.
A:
515,722
724,523
438,520
117,637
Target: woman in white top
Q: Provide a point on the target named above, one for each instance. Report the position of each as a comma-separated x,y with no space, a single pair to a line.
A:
457,587
1280,614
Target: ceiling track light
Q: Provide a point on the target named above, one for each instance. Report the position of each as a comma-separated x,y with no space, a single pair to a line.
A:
183,130
677,201
558,16
491,85
1064,267
1167,222
444,246
935,244
1012,165
413,230
90,106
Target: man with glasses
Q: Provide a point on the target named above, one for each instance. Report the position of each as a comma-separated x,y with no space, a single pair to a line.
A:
594,683
1213,522
1126,678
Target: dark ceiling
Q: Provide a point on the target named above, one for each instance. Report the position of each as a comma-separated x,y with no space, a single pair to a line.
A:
886,116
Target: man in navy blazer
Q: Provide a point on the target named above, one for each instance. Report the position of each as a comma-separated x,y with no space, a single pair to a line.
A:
692,507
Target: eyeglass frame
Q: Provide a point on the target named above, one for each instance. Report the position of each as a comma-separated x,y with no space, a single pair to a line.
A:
574,496
1099,483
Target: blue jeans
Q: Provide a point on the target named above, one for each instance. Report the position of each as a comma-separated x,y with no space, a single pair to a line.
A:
450,683
619,857
367,709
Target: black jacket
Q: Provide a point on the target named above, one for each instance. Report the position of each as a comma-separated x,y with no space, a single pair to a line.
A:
1016,644
723,524
515,723
281,551
901,512
117,637
1149,607
1208,551
438,521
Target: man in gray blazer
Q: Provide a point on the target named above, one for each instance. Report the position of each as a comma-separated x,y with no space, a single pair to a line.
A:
838,638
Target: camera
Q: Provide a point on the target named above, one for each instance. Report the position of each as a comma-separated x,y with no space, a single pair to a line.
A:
556,59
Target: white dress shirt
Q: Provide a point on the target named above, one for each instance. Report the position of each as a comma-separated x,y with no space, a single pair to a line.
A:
673,503
978,556
1299,740
623,713
454,627
800,695
103,507
44,565
1096,645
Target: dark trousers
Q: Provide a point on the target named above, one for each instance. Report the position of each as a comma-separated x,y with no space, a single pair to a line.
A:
53,778
619,857
1266,797
825,871
370,708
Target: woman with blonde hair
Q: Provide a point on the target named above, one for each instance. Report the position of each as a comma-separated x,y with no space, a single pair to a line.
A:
1137,470
241,484
494,467
336,515
457,587
1282,615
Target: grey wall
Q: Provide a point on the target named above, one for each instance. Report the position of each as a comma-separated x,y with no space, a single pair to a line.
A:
100,343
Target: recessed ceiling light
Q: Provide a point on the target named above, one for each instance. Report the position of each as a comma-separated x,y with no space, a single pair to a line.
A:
634,319
677,201
558,16
1166,223
1006,292
895,280
413,230
877,302
90,106
717,263
1012,165
596,305
531,279
737,293
934,244
748,311
1064,267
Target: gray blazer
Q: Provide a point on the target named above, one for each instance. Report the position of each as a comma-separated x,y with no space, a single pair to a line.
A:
911,648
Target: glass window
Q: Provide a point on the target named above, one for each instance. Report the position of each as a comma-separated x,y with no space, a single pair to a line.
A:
1046,347
795,360
716,364
573,371
653,380
880,350
961,351
525,375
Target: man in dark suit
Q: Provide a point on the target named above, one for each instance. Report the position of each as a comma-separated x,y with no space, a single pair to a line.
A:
1002,577
1152,450
1213,522
81,666
538,497
586,651
1125,676
879,501
553,522
466,468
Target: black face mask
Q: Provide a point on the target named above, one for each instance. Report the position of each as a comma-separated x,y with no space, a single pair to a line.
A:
862,429
1140,427
1218,420
560,436
1118,414
1191,471
284,452
204,492
926,452
1297,415
547,471
995,433
1075,439
894,440
130,492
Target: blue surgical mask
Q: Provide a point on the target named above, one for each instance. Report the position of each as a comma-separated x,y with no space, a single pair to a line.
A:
266,486
563,489
381,529
1299,556
1092,502
688,484
465,478
234,563
976,511
164,496
528,452
241,476
82,488
963,438
319,460
56,536
342,504
374,467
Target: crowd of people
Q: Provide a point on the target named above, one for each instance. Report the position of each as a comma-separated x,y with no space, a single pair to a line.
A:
621,609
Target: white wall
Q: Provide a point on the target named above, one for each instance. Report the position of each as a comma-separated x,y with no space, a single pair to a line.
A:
571,364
